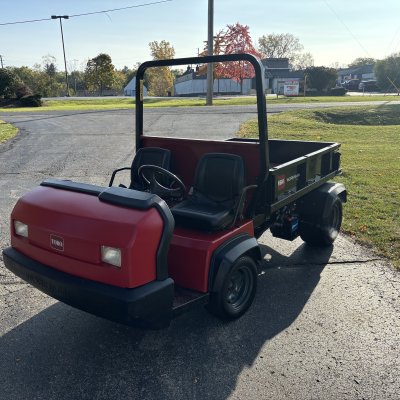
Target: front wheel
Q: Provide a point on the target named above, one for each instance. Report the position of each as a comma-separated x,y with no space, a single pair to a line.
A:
237,292
324,231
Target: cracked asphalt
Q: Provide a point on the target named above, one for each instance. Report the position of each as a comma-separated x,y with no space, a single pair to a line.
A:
324,325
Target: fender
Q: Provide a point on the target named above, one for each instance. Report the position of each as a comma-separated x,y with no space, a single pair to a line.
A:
319,201
224,257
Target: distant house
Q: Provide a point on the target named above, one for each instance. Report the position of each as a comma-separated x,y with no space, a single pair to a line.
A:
130,88
277,73
363,73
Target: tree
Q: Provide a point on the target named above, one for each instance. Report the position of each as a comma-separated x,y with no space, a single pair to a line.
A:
118,81
219,48
39,82
49,65
76,81
47,81
337,65
303,61
160,79
29,76
129,73
387,72
161,50
285,45
279,45
359,61
99,73
26,75
9,83
51,70
321,78
237,40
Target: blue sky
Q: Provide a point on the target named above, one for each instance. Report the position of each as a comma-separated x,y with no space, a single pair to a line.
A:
332,31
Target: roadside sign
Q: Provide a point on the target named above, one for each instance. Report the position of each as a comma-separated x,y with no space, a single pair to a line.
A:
288,87
291,88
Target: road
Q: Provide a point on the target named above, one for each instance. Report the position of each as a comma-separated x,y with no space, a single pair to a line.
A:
324,324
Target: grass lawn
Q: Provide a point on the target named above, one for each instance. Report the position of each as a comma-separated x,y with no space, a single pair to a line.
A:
7,131
370,138
129,102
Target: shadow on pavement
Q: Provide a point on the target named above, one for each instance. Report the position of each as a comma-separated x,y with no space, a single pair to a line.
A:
62,353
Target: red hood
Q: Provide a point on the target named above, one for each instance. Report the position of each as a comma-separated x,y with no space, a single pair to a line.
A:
67,229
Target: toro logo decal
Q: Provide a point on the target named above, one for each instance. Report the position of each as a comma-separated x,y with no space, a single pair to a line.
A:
281,182
57,242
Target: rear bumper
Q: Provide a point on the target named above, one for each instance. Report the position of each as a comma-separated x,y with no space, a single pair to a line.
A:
147,306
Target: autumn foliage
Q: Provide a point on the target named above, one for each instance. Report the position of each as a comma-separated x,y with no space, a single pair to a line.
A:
234,40
160,79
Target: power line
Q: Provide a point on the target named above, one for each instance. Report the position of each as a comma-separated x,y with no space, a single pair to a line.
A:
121,8
25,22
347,28
89,13
392,45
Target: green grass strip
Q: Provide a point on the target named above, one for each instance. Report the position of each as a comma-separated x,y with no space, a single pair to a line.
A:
7,131
128,102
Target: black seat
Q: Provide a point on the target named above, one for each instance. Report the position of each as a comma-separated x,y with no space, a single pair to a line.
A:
145,156
218,186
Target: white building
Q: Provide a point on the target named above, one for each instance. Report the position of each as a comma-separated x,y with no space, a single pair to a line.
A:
189,84
130,88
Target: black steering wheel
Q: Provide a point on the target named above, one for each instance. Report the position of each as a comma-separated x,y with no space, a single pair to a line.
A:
162,182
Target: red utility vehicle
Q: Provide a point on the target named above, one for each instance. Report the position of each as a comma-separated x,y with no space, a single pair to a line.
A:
184,232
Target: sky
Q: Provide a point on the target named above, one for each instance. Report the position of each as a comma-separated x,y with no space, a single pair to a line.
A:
334,32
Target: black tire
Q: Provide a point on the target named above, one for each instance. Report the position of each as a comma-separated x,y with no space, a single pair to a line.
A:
237,292
324,231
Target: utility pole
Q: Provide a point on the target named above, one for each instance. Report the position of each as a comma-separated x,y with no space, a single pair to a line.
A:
210,48
60,17
1,59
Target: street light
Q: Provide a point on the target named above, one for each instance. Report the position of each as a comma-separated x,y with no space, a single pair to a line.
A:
60,17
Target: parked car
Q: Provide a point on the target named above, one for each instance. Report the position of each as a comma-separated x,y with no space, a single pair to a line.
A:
368,86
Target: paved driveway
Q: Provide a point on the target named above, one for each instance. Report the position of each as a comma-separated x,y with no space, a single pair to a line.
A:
324,325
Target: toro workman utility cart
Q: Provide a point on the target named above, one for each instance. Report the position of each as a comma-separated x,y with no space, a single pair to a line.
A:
185,230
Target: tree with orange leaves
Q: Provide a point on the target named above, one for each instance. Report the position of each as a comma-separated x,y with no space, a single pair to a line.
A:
235,40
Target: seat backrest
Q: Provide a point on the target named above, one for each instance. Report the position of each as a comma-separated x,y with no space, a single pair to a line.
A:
148,155
220,177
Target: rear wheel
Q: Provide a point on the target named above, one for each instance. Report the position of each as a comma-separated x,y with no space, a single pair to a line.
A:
323,230
237,292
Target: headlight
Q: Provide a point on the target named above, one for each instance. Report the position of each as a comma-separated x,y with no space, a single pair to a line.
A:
21,229
111,255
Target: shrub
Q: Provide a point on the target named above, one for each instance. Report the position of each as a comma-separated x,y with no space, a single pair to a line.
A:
337,91
320,78
31,101
22,91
